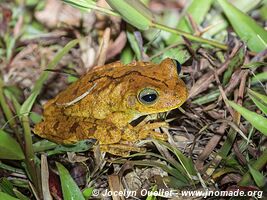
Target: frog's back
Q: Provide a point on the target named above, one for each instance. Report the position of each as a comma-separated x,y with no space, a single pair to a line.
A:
98,78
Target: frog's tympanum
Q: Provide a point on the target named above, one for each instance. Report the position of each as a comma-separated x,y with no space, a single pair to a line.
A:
102,103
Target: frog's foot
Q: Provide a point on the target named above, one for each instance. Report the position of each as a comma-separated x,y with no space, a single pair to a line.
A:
121,149
142,131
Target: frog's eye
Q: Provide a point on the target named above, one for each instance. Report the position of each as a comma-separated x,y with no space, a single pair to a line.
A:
148,96
178,65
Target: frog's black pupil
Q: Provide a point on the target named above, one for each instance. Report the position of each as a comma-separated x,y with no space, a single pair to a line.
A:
178,66
149,97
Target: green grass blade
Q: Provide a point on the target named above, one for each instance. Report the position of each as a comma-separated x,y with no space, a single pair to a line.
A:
88,5
7,111
5,196
81,4
257,164
134,43
258,121
134,12
70,189
10,148
219,23
189,36
197,10
259,104
260,77
88,192
27,105
254,65
257,176
259,99
6,186
10,44
212,96
151,196
20,195
247,29
126,55
262,97
186,163
179,53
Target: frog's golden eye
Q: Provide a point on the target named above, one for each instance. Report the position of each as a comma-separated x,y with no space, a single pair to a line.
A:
178,66
148,96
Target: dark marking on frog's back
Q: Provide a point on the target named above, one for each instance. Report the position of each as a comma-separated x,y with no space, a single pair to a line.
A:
55,126
74,127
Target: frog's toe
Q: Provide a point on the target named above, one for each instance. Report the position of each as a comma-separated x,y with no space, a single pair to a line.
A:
158,136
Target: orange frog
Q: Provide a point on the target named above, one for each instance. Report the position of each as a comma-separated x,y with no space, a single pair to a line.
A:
102,103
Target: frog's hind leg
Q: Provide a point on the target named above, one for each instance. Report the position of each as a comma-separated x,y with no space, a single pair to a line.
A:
62,129
67,129
123,150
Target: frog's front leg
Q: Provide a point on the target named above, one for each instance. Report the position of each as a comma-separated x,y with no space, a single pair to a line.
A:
132,134
142,131
120,148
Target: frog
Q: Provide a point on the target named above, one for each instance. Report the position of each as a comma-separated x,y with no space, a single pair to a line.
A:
102,104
